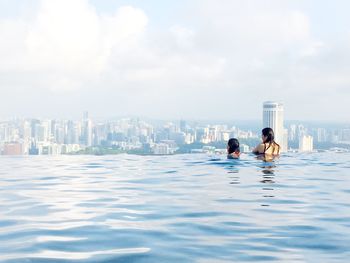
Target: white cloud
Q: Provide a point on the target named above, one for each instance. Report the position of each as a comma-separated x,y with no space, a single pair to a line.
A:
68,42
242,52
183,36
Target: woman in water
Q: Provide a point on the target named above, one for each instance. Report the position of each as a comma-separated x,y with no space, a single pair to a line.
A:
233,151
268,145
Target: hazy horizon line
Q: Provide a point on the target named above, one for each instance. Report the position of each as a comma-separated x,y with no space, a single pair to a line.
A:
200,119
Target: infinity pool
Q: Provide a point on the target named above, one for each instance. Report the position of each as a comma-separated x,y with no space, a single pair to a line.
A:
181,208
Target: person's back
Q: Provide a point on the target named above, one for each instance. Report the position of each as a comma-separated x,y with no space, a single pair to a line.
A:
269,148
268,145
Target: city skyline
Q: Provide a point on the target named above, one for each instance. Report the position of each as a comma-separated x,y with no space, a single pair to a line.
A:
183,60
76,116
136,136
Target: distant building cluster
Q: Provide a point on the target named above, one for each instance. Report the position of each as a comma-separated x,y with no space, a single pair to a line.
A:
298,135
308,137
54,137
131,135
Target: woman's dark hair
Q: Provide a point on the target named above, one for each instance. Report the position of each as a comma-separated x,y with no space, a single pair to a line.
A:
270,138
269,134
233,145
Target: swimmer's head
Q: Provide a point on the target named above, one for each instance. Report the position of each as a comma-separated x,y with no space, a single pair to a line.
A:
267,135
233,146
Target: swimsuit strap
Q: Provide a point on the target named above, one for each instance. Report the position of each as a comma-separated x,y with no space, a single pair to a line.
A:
265,149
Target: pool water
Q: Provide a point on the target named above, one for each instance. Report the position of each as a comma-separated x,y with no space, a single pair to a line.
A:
180,208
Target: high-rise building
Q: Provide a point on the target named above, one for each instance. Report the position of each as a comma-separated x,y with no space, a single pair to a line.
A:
161,148
321,135
284,145
87,130
43,131
345,135
306,143
273,117
183,126
292,132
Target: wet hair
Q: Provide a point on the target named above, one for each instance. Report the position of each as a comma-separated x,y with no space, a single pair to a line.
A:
269,134
233,145
270,139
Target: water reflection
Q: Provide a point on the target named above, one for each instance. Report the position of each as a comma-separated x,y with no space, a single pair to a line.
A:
235,179
233,172
267,165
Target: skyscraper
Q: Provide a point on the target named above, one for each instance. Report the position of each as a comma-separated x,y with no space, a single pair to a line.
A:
306,143
273,117
87,129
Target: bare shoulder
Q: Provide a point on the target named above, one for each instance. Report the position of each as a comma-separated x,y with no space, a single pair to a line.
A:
259,148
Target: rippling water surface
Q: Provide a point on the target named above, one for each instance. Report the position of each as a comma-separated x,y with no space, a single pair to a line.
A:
182,208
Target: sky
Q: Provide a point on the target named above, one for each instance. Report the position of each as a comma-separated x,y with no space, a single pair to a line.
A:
195,59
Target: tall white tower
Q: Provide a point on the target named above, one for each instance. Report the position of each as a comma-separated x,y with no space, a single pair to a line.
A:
87,129
273,117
